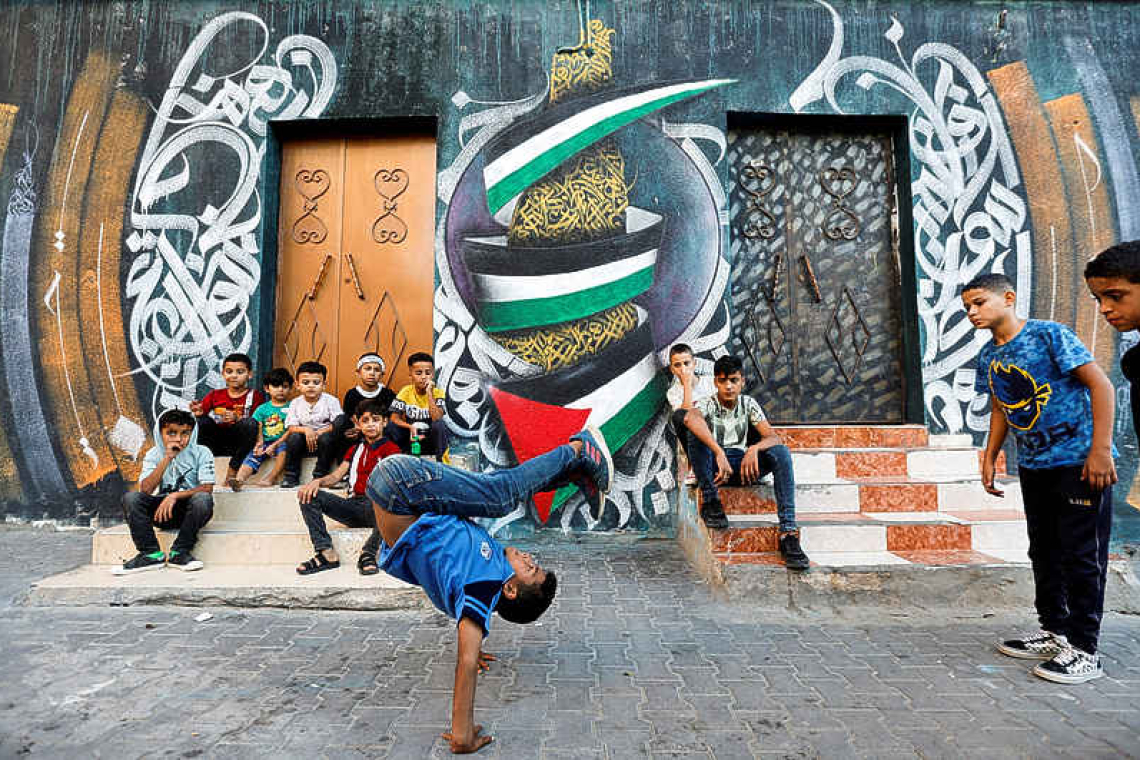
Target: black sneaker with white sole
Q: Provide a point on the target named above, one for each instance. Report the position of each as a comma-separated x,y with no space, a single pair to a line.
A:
1042,645
140,563
1071,665
184,561
793,553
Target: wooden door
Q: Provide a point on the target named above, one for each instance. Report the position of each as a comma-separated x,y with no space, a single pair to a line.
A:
356,253
817,287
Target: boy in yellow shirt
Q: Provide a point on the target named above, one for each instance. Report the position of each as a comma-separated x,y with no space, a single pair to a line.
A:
418,411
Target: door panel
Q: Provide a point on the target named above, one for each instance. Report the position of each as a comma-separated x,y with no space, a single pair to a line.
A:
388,268
308,299
816,285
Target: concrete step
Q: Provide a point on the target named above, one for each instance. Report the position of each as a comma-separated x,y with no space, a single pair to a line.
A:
222,464
230,543
270,585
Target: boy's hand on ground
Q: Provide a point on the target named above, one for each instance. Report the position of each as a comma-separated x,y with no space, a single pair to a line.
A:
467,745
165,510
485,660
1099,470
988,479
311,440
750,466
306,492
723,468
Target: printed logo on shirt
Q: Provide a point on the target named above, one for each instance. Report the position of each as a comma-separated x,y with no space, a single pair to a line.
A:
1079,502
485,550
1021,398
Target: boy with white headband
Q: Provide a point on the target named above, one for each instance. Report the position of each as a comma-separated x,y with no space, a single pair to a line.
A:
370,373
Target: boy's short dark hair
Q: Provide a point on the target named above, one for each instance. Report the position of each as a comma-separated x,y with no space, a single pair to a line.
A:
277,377
371,406
1119,261
237,358
727,365
312,368
175,417
530,602
680,348
420,356
993,282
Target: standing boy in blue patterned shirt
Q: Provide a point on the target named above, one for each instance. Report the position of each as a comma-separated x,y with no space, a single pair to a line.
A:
1046,387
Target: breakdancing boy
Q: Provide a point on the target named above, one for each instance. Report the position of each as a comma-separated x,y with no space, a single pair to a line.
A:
422,511
1046,387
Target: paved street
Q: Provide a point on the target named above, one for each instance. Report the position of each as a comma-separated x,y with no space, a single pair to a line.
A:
635,659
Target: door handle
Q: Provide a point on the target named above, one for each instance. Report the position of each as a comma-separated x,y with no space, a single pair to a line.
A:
312,294
355,278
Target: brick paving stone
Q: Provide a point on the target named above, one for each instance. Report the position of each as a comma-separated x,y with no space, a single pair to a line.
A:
636,659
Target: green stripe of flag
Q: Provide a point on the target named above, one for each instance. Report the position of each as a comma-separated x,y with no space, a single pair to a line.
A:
501,193
497,316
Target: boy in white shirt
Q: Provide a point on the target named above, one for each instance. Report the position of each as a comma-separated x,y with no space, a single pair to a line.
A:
309,424
688,388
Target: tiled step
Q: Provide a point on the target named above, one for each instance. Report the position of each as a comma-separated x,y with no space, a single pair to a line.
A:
933,464
853,436
881,494
234,543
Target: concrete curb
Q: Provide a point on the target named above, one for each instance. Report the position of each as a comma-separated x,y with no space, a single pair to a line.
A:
356,599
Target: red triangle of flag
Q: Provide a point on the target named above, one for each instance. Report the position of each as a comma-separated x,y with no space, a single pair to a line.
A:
535,428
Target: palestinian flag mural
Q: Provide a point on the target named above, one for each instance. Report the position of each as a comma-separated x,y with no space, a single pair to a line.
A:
555,288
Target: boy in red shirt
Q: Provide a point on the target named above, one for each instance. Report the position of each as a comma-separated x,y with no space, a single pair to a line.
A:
225,423
355,511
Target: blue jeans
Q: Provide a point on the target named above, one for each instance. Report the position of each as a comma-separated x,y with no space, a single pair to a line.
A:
407,485
776,460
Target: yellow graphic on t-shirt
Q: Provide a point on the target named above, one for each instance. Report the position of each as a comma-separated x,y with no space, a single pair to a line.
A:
1019,395
273,426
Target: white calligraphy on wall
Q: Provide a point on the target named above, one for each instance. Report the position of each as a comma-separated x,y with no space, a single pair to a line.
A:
195,209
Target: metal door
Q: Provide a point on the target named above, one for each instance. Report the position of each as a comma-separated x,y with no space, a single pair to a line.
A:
356,261
816,283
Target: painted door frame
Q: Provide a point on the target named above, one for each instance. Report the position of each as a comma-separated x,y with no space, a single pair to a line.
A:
284,130
897,128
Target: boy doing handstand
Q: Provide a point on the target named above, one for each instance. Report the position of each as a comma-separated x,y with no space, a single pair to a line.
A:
422,512
1046,387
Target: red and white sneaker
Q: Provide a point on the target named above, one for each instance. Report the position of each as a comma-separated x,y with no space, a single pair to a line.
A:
597,465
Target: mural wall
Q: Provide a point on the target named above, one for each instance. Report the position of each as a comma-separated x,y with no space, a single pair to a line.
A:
582,215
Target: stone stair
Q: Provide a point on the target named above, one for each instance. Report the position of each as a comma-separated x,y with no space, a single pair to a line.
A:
869,496
250,549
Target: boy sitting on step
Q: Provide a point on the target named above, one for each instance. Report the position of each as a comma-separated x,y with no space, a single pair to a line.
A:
418,410
689,387
224,416
270,418
175,491
729,414
1045,385
355,511
370,385
309,424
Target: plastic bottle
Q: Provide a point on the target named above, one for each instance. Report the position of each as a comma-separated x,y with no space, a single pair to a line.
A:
415,448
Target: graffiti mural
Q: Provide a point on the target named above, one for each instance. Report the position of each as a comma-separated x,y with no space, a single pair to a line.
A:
969,204
555,297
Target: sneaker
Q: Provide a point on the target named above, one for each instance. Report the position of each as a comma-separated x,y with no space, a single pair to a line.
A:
141,563
1071,665
597,464
184,561
714,516
1042,645
290,481
793,554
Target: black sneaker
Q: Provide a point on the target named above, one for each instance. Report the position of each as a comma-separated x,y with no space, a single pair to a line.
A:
184,561
714,516
290,481
1042,645
794,557
1071,665
140,563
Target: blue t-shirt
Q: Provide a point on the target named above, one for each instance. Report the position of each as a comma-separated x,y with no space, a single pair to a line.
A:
457,564
1047,407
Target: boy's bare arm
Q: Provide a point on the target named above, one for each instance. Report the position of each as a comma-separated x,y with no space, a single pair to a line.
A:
750,465
148,484
465,736
1099,470
695,422
998,429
